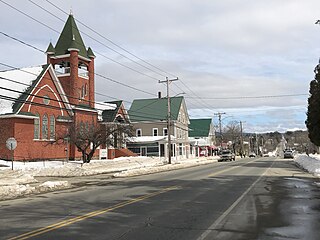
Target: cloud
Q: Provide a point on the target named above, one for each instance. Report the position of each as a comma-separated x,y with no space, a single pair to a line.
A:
218,49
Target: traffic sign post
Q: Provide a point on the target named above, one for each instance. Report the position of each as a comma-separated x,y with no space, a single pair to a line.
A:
11,144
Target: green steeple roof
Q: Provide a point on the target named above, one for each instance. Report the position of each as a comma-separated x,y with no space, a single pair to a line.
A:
200,127
50,49
90,53
154,109
70,38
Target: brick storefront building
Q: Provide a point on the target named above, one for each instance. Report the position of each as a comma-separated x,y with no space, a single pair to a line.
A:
41,102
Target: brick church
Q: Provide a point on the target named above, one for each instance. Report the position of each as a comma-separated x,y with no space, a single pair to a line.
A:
39,102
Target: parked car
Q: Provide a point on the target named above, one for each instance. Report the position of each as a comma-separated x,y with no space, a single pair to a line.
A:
252,155
227,155
288,154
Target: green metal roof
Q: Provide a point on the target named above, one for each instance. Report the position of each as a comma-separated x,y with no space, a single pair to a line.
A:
199,127
70,38
50,48
110,115
154,109
90,52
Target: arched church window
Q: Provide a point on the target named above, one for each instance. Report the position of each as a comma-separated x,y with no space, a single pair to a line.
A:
45,126
119,119
86,89
82,92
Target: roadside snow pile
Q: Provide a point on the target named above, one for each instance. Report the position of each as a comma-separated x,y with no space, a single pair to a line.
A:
53,185
310,163
9,177
19,190
76,168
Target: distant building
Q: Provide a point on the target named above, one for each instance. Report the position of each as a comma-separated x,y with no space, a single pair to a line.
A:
202,137
117,121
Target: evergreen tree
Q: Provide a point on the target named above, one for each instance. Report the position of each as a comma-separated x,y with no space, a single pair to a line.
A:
313,114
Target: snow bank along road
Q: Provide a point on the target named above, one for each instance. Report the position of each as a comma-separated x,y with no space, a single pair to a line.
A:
39,177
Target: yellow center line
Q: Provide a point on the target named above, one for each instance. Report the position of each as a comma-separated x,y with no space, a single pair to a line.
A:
89,215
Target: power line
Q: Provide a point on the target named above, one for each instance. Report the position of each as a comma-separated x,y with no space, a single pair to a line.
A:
112,42
134,113
7,98
27,85
255,97
123,84
70,97
141,65
45,25
100,75
22,42
58,33
199,99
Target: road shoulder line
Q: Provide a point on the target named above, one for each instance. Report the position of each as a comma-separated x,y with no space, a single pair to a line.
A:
223,215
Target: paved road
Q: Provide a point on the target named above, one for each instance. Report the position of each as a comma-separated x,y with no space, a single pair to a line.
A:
260,198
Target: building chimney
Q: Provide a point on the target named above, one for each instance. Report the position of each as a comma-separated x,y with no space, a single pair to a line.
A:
159,95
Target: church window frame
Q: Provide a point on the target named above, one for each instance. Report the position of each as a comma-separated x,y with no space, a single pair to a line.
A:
36,124
52,127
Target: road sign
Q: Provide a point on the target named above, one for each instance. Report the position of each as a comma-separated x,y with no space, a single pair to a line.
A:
11,143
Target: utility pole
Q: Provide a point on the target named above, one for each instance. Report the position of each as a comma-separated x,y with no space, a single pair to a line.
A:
167,81
241,138
220,128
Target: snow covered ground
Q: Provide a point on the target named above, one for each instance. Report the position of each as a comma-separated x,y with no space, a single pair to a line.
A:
23,179
310,163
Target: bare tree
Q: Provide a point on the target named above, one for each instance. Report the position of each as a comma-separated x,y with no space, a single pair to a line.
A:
232,132
87,138
117,134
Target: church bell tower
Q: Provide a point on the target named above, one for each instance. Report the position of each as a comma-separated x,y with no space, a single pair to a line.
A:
74,65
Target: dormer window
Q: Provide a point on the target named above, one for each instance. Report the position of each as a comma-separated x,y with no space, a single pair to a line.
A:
138,132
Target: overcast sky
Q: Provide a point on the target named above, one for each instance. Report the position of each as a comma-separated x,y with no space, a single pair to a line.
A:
252,59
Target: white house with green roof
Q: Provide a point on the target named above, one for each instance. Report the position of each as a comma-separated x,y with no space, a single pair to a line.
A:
149,118
202,136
